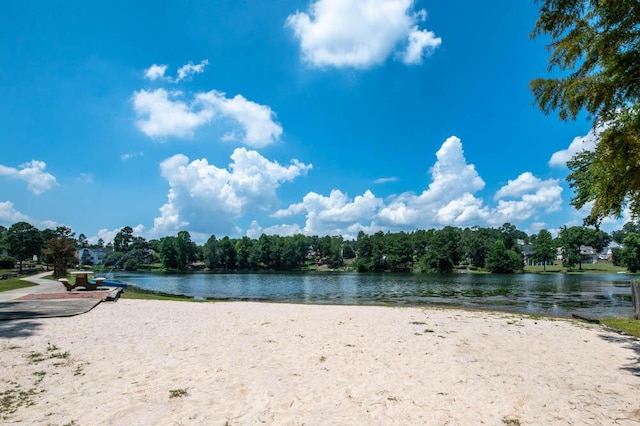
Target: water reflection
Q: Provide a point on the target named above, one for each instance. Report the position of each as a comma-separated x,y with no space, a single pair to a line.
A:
551,294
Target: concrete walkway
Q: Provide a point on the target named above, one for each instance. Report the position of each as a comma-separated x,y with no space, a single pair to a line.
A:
60,306
44,286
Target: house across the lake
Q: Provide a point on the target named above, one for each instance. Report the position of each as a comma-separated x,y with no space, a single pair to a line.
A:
95,256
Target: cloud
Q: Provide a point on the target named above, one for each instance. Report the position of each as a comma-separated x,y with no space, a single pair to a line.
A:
108,235
578,144
361,33
449,200
86,178
9,215
386,180
533,195
33,172
421,43
186,71
162,114
155,72
523,184
255,120
128,156
205,197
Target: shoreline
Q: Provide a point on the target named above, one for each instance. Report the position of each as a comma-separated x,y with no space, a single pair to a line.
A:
173,362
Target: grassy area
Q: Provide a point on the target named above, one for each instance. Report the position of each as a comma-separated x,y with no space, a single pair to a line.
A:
13,283
598,268
627,325
133,292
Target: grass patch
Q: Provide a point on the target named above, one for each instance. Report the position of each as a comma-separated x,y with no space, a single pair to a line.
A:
133,292
177,393
629,326
14,283
13,399
35,357
598,268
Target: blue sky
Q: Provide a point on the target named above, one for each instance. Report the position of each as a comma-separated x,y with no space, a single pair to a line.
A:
235,118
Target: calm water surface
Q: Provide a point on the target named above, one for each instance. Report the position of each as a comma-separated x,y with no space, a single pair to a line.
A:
593,295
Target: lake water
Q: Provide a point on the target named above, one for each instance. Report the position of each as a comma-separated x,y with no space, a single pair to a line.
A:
592,295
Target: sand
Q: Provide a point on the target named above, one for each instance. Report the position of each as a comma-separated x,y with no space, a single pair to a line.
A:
179,363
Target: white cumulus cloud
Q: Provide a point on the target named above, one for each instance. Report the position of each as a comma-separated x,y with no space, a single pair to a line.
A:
162,114
450,199
578,144
361,33
33,173
155,72
256,121
9,215
206,197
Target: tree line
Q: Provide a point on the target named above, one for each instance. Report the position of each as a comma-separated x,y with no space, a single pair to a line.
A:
499,250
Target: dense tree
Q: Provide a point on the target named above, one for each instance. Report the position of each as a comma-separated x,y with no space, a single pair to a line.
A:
82,241
227,254
187,250
595,44
544,249
476,243
23,241
619,235
569,240
631,252
169,255
244,247
210,253
443,252
510,235
61,249
3,234
123,239
502,260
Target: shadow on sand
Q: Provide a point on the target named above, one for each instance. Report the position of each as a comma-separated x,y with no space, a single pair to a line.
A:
18,328
628,342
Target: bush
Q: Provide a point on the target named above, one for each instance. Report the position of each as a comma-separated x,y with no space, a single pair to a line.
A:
7,262
131,265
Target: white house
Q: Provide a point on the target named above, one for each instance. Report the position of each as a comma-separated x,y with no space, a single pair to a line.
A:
87,256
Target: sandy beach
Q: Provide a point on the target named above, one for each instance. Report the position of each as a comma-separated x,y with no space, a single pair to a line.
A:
179,363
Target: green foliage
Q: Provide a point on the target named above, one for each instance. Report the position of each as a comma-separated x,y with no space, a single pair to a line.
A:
631,252
632,226
123,239
7,262
544,249
595,45
617,256
61,249
23,241
569,240
502,260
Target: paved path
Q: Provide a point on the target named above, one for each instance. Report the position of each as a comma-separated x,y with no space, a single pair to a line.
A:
11,308
44,286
